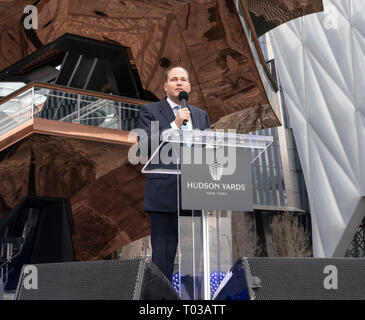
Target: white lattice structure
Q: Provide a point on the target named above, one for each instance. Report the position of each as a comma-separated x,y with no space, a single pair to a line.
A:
321,66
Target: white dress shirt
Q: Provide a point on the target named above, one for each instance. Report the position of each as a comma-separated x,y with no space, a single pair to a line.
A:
173,105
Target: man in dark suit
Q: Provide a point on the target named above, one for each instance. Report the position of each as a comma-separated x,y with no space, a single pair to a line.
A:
160,198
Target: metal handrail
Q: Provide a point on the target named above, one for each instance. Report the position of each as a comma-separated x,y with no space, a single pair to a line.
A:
95,94
17,109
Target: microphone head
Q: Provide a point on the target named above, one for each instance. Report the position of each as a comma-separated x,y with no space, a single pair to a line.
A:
183,95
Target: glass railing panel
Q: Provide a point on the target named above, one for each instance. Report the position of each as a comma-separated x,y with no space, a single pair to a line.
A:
68,106
87,110
7,88
16,111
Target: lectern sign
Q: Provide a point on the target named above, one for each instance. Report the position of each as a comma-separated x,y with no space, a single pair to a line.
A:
216,183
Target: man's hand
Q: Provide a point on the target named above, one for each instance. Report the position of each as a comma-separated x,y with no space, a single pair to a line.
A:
182,114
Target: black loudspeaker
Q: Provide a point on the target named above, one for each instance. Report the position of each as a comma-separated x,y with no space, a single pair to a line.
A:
37,230
137,279
295,279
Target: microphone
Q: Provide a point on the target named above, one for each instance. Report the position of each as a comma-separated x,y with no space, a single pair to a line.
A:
183,97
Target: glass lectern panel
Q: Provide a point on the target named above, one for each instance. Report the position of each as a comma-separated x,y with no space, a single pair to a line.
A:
205,253
205,236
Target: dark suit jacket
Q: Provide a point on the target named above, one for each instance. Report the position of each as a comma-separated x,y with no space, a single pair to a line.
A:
161,189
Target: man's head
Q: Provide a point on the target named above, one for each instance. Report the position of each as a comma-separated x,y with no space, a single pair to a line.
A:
176,80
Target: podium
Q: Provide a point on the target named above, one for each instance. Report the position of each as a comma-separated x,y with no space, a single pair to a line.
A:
213,171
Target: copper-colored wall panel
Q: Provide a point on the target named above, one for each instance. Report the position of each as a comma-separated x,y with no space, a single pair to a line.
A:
281,11
246,120
52,20
106,192
12,43
109,213
61,165
14,173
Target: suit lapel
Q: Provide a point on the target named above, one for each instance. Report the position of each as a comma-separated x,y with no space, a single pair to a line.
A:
194,118
166,111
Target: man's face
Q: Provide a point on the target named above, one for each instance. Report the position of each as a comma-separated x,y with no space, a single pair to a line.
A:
177,81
